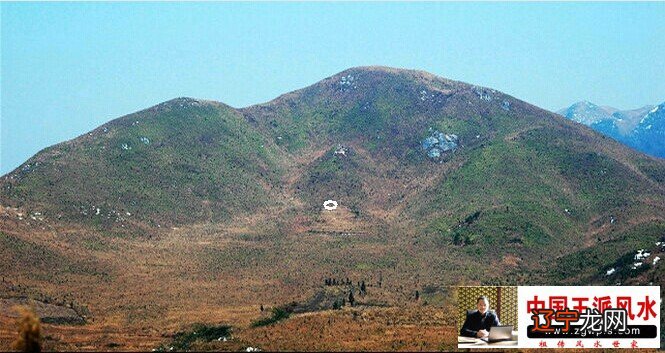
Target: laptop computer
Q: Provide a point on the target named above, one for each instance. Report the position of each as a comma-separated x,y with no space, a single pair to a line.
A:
499,333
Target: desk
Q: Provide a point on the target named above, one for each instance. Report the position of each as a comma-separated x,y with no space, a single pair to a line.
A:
478,343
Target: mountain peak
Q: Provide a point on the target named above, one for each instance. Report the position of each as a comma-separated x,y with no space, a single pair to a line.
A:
587,113
387,71
640,128
185,102
384,69
365,84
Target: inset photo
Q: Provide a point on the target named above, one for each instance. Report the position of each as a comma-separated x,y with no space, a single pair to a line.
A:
487,317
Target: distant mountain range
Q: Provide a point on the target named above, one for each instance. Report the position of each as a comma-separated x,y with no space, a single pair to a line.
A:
642,128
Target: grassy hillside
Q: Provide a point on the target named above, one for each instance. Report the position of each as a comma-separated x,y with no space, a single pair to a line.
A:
521,181
411,153
437,181
181,161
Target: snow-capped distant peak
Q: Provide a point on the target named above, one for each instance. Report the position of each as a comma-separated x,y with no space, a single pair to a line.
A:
647,115
652,123
642,128
587,113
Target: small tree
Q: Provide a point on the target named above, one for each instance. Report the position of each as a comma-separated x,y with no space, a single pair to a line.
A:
29,332
417,295
352,300
363,288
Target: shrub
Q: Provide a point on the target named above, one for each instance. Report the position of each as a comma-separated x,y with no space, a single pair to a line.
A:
278,314
29,331
183,341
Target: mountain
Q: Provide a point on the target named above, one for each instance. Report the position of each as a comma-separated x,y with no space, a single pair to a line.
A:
650,133
626,126
400,150
627,120
194,211
181,160
587,113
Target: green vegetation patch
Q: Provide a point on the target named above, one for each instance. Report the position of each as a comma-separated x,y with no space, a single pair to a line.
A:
591,263
183,341
278,314
174,165
334,177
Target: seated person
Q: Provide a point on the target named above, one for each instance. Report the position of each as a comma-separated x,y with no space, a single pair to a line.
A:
478,322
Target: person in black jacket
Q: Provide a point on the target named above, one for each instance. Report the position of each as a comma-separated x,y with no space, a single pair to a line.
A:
478,322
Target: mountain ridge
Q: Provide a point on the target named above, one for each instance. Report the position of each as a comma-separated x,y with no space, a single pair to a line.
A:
400,150
625,126
163,209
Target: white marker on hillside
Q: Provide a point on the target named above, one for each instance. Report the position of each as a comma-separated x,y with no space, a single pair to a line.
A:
330,205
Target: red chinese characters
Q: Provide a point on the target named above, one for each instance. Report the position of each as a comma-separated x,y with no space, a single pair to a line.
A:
645,309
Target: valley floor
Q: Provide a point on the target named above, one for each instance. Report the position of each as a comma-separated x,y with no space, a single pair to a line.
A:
138,293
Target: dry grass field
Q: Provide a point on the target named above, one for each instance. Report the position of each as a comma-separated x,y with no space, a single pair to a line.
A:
135,294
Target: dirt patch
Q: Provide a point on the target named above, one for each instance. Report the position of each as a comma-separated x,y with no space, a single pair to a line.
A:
48,313
511,260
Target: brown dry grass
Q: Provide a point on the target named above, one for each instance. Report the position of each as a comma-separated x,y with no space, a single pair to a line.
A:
139,292
411,328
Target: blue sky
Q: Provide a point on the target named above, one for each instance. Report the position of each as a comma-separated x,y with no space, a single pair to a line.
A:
66,68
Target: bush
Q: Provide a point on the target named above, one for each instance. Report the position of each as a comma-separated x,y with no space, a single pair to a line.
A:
183,341
29,331
278,314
